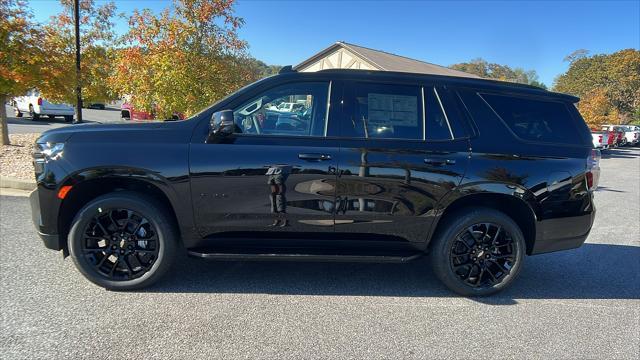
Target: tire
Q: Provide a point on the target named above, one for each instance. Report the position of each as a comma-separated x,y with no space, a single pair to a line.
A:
33,114
68,118
91,261
51,116
448,241
18,112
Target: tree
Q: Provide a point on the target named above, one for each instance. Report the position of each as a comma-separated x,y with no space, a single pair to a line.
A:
488,70
20,58
182,60
614,77
97,37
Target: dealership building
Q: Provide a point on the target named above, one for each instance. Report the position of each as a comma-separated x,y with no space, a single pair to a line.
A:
342,55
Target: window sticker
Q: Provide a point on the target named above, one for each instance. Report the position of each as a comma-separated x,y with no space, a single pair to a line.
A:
394,110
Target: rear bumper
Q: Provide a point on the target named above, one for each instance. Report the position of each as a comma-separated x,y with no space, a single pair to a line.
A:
563,233
56,112
51,241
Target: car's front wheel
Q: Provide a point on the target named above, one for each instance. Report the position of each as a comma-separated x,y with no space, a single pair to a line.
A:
477,252
123,241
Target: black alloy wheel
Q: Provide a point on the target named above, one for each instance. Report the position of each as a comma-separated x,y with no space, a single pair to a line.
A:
482,255
123,240
477,251
121,244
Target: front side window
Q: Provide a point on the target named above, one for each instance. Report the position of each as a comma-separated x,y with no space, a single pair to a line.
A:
297,109
382,111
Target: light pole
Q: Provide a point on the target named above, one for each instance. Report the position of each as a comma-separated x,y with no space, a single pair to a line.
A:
76,15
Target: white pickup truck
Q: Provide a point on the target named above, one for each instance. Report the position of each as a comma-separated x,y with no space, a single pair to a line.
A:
600,139
632,134
34,105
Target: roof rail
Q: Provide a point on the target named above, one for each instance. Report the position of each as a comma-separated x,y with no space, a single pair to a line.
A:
286,69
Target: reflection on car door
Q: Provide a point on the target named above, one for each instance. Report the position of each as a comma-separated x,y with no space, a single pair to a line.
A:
269,177
390,179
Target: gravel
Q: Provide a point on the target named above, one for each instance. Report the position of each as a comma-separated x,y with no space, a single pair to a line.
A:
15,159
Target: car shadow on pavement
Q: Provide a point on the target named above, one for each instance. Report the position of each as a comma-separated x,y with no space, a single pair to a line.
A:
621,153
594,271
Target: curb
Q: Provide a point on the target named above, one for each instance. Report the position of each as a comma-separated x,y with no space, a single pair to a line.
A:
18,184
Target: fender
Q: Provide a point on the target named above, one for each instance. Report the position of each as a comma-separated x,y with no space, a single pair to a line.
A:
468,190
170,188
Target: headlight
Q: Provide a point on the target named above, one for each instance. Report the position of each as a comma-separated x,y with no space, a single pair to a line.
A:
48,151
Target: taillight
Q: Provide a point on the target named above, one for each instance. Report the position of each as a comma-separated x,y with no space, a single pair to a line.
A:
600,139
593,169
39,101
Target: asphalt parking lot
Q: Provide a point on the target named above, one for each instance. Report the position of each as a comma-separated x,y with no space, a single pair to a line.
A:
583,303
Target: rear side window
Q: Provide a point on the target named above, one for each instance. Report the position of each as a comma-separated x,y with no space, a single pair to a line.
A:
536,120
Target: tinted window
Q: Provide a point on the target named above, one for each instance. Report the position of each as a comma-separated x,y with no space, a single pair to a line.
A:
456,113
536,120
293,109
437,124
385,111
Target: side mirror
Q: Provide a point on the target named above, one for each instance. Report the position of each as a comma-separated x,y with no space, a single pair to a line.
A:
222,123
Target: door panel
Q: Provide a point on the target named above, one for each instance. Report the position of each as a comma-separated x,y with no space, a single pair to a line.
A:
391,189
245,185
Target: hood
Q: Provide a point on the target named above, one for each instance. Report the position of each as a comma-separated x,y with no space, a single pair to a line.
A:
63,134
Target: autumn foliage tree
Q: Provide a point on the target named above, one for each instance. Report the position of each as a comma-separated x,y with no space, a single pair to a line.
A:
608,85
495,71
182,60
20,58
97,38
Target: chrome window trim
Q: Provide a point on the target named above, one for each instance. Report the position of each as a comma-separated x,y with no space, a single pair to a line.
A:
326,115
424,116
446,118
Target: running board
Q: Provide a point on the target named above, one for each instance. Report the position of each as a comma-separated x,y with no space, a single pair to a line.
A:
275,256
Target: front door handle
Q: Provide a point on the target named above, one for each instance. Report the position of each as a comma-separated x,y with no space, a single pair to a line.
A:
439,162
314,157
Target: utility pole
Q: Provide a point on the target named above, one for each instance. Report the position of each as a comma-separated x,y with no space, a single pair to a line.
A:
76,15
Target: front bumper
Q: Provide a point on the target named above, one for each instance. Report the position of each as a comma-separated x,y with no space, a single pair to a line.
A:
51,241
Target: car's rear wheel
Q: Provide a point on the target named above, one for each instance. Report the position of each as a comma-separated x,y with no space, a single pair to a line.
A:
68,118
477,252
123,241
51,116
33,114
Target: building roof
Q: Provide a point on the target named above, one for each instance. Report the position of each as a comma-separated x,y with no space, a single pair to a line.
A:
385,61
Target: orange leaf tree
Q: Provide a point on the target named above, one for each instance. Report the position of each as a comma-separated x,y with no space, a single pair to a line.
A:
97,38
609,85
182,60
20,58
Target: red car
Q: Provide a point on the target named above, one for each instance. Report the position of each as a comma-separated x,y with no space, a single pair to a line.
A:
127,112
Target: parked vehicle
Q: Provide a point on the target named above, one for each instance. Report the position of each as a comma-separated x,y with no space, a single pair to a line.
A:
631,134
97,106
600,139
473,173
620,139
35,106
127,112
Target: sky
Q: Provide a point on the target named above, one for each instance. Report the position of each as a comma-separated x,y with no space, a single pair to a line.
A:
534,35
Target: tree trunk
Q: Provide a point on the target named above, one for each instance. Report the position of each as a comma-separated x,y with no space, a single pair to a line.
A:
3,120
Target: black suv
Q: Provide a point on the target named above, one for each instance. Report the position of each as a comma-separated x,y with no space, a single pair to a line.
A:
338,165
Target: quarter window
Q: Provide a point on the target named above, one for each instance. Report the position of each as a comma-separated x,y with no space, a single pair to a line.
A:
437,122
536,120
297,109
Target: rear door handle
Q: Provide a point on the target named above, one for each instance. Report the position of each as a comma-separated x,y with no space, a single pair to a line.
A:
439,162
314,157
